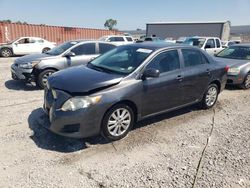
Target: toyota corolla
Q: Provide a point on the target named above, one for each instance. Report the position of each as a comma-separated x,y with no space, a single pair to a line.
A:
128,84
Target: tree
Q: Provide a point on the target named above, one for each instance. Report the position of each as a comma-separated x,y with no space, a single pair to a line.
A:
110,23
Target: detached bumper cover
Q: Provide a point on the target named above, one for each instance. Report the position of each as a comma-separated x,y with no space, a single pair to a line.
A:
18,73
78,124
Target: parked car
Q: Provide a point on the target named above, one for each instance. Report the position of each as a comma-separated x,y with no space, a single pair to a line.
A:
226,44
237,57
128,84
212,45
150,39
25,45
118,40
38,67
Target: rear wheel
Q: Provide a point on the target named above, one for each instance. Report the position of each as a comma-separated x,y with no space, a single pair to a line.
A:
117,122
246,83
210,96
6,52
43,77
45,50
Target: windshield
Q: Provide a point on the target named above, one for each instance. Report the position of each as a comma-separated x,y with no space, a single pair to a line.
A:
235,52
121,60
195,42
61,48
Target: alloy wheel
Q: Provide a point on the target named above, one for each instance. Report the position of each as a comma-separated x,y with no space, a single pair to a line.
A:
6,53
119,122
45,77
211,96
247,81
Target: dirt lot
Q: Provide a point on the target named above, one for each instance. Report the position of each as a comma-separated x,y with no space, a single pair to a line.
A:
186,148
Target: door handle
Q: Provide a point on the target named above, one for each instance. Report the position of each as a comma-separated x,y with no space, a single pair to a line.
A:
179,77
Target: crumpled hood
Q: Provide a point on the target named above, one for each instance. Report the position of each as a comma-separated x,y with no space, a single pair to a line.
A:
82,80
231,62
33,57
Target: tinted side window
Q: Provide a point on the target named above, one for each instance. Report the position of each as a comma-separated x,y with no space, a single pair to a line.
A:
24,41
210,43
116,39
166,61
84,49
217,43
103,48
193,58
129,39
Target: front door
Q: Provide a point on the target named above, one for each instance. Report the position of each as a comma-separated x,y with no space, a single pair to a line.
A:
22,46
83,54
164,92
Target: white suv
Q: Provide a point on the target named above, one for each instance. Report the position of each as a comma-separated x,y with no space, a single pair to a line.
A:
118,40
25,45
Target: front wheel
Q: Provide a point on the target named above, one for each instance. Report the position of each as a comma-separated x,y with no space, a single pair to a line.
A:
210,96
43,77
117,122
6,52
246,83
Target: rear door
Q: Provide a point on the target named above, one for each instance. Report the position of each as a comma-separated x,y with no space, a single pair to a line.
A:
210,46
196,73
164,92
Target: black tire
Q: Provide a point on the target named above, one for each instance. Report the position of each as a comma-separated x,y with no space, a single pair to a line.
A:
6,52
106,128
246,83
43,75
208,102
45,50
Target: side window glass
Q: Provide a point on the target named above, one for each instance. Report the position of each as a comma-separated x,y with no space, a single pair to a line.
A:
217,43
32,40
24,41
193,58
129,39
103,48
85,49
166,61
210,43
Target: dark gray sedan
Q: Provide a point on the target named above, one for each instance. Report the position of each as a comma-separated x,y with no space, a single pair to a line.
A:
237,57
38,67
127,84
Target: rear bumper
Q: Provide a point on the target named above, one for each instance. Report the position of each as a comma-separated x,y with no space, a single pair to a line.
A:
234,79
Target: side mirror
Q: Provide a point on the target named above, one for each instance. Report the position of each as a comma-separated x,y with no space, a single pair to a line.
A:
151,73
69,54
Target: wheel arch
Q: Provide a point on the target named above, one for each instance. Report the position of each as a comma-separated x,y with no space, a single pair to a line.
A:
218,83
130,103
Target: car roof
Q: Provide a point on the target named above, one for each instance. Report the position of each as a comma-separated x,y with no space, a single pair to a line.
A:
160,45
243,45
92,41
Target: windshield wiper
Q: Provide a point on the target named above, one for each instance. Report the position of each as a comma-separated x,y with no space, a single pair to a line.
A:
99,68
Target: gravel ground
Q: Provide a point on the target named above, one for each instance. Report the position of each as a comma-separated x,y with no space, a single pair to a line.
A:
185,148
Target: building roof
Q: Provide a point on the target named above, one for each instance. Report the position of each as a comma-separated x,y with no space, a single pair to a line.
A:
189,22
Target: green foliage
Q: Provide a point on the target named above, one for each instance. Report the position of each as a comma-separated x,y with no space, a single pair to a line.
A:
110,23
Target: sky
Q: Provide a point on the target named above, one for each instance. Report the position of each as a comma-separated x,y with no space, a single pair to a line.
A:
130,14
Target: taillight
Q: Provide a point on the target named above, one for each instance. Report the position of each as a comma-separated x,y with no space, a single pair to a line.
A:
227,68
